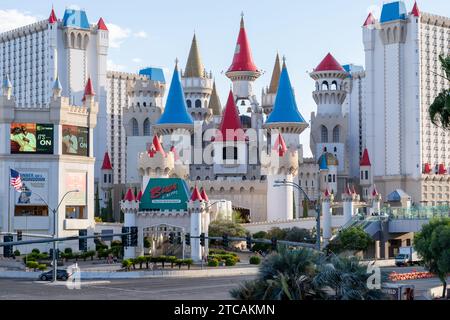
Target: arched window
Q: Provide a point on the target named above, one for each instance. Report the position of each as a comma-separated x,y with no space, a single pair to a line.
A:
189,103
325,85
324,134
334,85
146,127
145,104
198,103
336,134
134,127
79,41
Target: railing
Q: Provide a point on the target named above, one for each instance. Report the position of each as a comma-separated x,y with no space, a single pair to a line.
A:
416,213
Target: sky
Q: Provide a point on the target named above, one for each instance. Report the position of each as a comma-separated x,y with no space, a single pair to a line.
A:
155,33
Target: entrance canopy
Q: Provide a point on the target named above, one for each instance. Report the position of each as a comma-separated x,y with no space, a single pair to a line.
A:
165,194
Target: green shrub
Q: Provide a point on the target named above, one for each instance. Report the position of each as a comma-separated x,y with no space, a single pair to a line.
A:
116,243
172,260
255,260
32,265
16,253
42,267
179,263
188,262
127,264
230,262
68,251
35,251
213,263
141,260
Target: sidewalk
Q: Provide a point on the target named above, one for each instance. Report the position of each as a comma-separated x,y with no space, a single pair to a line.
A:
172,273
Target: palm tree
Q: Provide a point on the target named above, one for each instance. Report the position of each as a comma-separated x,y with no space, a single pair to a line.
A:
345,279
440,108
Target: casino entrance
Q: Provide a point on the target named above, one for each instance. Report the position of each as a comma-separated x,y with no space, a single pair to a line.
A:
157,241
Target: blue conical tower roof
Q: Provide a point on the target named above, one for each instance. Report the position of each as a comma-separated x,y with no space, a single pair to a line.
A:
175,111
285,108
323,162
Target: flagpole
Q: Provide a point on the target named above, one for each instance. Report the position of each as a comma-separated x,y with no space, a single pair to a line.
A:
9,200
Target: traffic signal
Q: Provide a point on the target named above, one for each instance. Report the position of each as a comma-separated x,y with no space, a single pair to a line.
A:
7,250
249,242
179,238
125,238
82,243
134,237
187,239
274,244
172,238
225,240
19,235
202,239
58,253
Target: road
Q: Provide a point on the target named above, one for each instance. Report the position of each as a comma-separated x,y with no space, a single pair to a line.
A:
214,288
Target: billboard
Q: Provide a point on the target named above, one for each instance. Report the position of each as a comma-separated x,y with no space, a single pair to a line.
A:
76,181
75,140
165,194
31,138
35,186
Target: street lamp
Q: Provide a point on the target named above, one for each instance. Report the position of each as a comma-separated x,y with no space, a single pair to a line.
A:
55,230
280,183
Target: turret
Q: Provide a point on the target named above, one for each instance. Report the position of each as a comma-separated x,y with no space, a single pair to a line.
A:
197,85
243,71
280,165
376,200
214,104
327,200
130,208
348,199
57,88
107,181
196,208
7,87
269,94
366,178
328,165
285,117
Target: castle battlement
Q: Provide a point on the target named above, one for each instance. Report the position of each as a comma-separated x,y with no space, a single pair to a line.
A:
275,165
155,164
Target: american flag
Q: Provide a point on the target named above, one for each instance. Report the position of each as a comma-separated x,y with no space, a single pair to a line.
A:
16,181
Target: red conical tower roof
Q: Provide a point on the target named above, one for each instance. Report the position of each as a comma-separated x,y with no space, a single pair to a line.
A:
196,196
442,169
101,25
89,89
204,195
242,60
139,196
106,162
231,127
329,63
415,11
52,19
157,146
369,20
427,169
280,145
129,196
375,191
365,160
327,193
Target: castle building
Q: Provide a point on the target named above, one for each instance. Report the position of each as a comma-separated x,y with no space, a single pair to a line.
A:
403,76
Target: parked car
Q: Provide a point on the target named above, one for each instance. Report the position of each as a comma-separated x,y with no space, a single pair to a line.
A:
60,275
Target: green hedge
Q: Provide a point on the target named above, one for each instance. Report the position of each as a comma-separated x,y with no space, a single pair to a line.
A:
255,260
213,263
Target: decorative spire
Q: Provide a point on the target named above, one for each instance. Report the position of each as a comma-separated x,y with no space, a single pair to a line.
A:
194,66
370,20
106,162
329,63
139,196
273,88
285,108
230,127
196,196
175,111
52,19
242,60
214,102
204,195
280,146
365,160
89,89
415,11
101,25
375,191
323,165
129,196
156,147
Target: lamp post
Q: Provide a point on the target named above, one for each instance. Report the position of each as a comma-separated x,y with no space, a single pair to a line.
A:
280,183
55,230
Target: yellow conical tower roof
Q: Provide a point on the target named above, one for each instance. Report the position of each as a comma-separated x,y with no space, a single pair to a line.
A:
273,88
214,102
194,65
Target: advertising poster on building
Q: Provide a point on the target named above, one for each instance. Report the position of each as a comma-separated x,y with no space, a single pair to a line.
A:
165,194
35,188
75,140
76,181
31,138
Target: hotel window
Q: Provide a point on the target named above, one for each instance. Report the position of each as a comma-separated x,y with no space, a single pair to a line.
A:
31,211
76,212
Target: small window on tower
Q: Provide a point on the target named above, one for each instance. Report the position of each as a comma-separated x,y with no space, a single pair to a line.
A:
367,175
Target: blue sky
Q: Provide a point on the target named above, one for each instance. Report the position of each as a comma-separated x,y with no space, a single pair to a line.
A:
156,32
